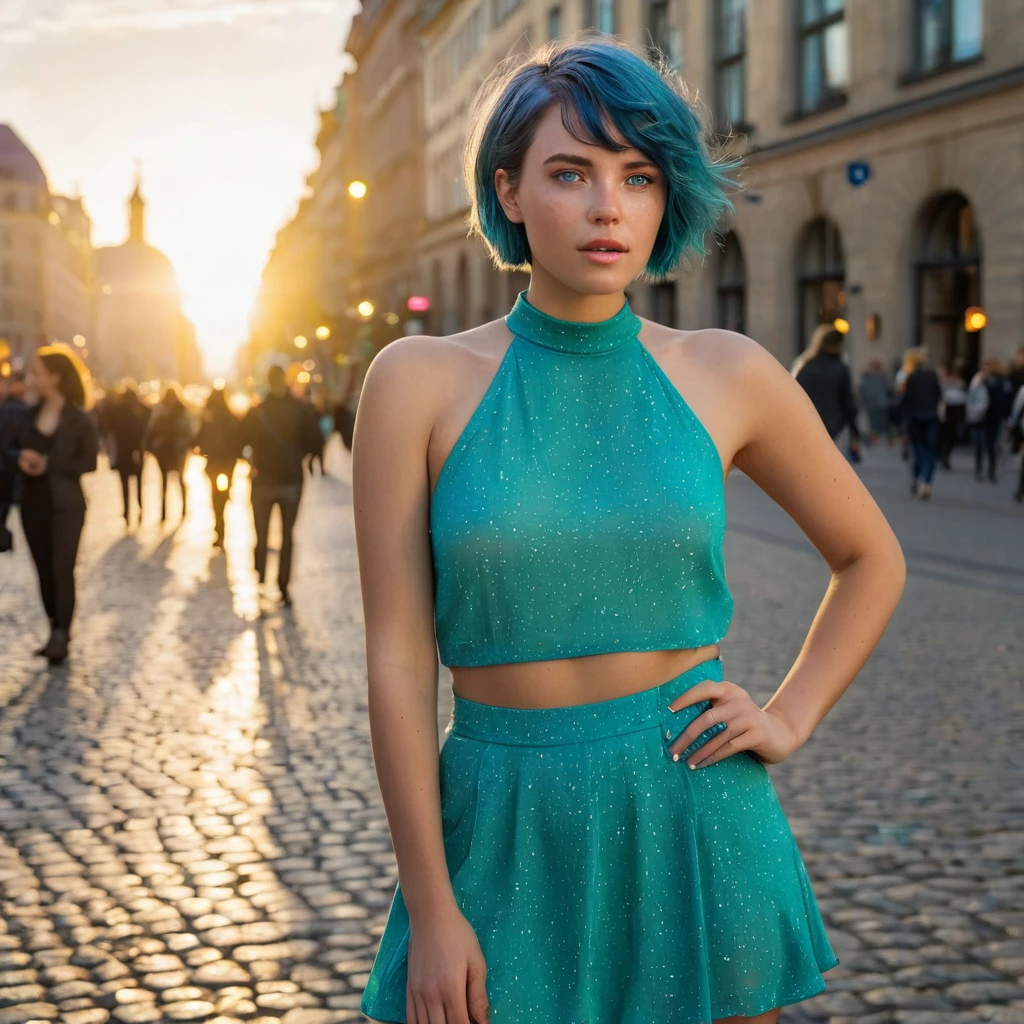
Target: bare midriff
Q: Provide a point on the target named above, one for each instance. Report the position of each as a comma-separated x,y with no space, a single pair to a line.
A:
563,682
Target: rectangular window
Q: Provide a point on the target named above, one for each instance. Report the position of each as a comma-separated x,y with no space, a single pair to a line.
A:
823,54
948,32
600,14
554,22
659,30
730,62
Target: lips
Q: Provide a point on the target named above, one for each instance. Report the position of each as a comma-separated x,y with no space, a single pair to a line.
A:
604,245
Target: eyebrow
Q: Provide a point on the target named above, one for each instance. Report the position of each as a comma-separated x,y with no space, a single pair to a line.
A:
582,161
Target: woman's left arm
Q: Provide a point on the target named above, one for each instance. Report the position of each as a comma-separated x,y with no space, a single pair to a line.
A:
785,449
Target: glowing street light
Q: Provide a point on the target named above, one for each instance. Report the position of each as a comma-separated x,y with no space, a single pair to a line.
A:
392,318
365,308
974,319
79,341
300,341
222,482
357,189
323,332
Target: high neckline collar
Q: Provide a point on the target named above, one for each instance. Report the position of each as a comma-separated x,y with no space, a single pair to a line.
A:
574,336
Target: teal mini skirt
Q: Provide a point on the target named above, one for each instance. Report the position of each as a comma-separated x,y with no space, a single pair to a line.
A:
607,883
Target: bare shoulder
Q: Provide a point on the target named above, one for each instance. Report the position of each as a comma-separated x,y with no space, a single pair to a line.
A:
724,354
427,363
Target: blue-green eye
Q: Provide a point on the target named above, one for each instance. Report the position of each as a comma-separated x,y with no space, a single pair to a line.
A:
645,179
560,178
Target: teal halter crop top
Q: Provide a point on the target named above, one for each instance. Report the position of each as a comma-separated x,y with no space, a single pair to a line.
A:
582,509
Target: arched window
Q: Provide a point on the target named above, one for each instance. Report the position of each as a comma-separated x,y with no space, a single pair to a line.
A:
948,270
821,278
732,285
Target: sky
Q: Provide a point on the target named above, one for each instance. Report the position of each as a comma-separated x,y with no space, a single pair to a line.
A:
215,100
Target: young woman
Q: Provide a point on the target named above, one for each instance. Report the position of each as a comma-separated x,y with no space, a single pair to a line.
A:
599,841
58,443
922,399
220,441
169,437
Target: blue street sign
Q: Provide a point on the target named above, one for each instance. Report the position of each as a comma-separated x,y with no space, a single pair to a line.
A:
857,172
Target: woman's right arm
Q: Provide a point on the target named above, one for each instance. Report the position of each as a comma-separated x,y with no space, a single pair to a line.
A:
391,494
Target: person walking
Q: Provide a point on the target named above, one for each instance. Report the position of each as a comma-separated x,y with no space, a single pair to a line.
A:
12,409
58,444
540,503
988,405
826,379
922,397
123,421
875,398
279,432
954,403
219,442
169,437
1015,428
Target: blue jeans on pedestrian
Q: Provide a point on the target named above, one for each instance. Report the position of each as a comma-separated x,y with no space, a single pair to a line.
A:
923,432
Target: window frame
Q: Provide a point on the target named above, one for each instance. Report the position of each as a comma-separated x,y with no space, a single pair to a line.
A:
590,11
554,15
722,63
828,98
947,61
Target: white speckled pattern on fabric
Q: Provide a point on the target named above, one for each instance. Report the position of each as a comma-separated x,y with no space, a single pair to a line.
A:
607,883
582,509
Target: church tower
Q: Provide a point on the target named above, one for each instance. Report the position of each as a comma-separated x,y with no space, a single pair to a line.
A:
137,212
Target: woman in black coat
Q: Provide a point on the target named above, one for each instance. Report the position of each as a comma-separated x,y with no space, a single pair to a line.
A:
169,438
58,443
219,441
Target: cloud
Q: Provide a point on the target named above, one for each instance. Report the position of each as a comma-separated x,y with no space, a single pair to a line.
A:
26,21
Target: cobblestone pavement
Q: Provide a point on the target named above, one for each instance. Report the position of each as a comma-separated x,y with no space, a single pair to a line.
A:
190,826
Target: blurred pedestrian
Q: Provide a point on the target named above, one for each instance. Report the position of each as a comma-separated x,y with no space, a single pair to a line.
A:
988,405
874,399
318,408
345,417
58,443
1016,374
123,420
169,438
922,395
12,409
279,433
954,403
821,372
220,442
1015,426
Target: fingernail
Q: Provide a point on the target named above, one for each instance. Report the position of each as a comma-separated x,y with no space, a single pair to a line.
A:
672,709
675,757
693,767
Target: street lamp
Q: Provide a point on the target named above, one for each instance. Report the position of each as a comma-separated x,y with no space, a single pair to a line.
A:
365,308
300,341
323,332
357,189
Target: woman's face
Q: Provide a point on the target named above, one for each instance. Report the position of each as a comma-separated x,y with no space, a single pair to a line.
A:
40,381
576,199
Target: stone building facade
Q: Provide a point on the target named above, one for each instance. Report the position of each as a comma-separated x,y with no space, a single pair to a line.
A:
46,258
883,149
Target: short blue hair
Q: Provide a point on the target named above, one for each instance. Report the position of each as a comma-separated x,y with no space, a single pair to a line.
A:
601,84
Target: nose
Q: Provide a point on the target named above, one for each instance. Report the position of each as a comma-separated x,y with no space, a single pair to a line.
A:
605,207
